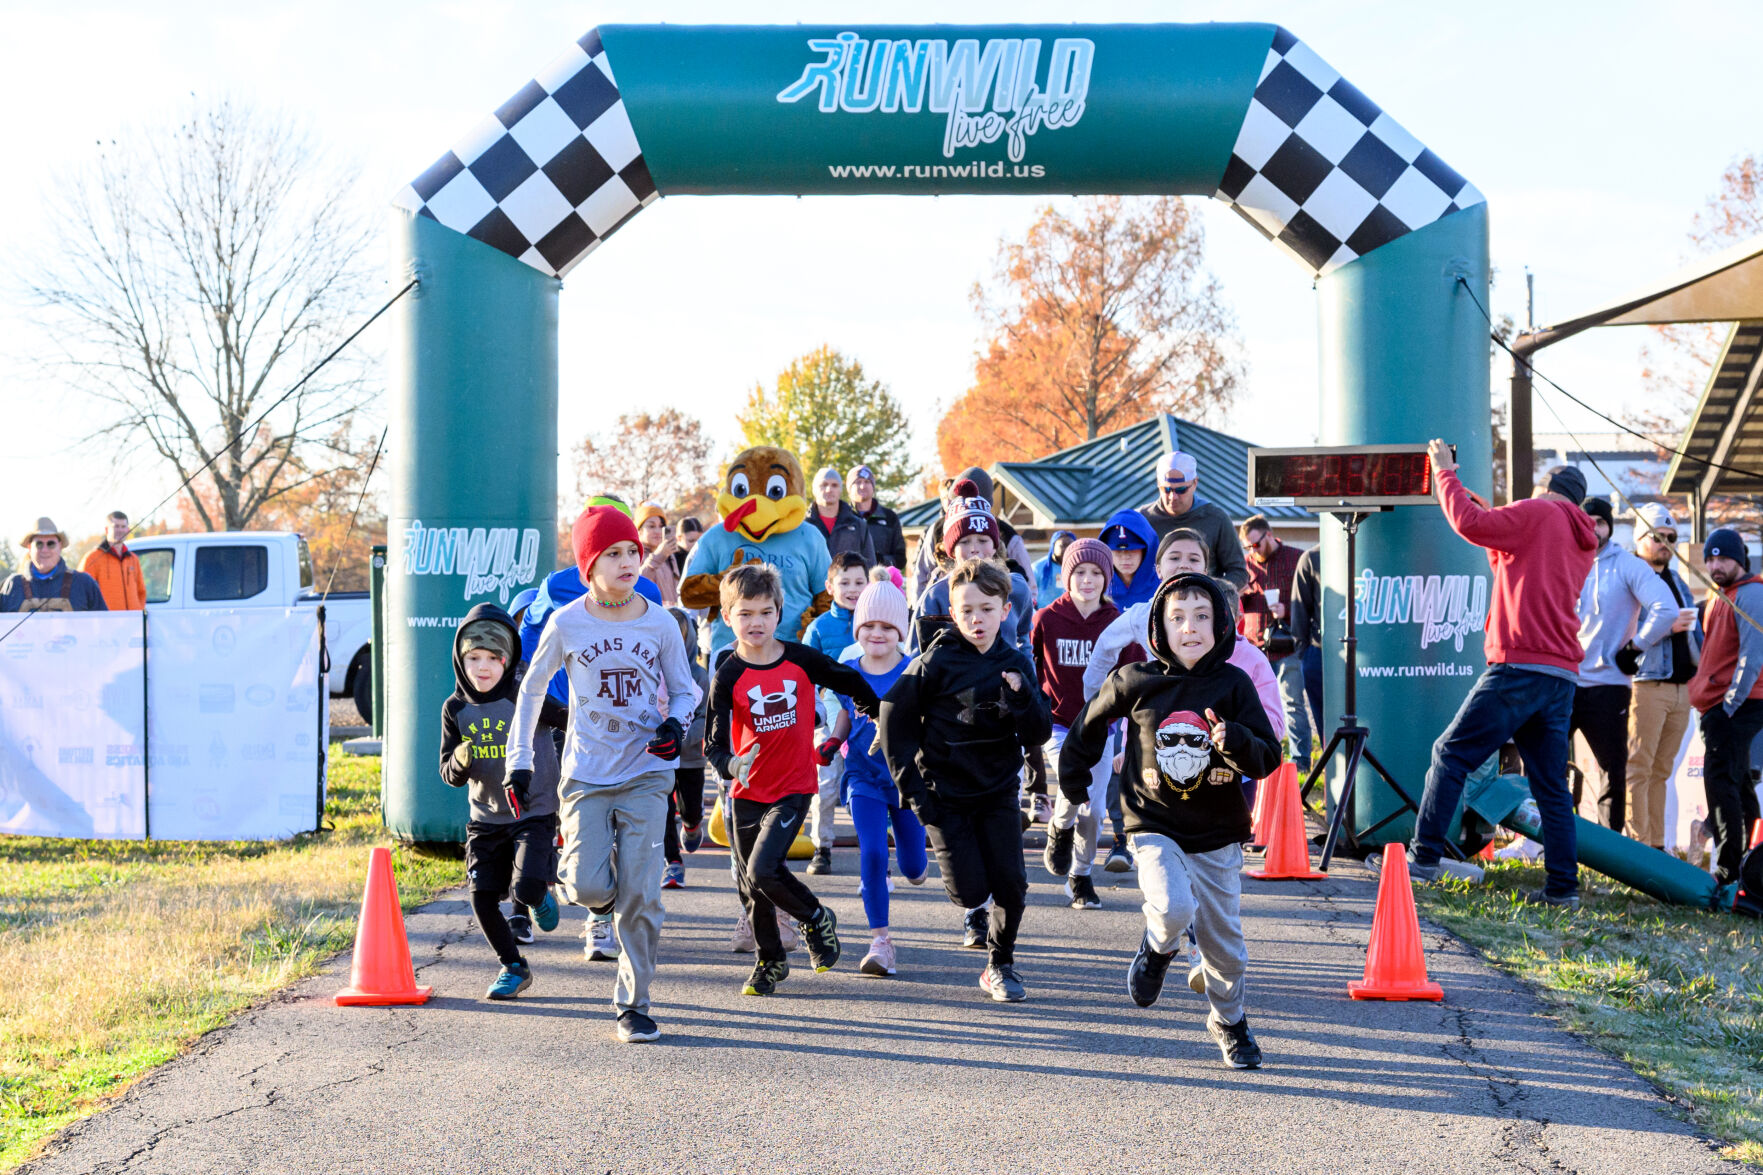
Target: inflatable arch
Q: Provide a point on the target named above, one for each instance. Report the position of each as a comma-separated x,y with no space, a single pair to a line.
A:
1246,113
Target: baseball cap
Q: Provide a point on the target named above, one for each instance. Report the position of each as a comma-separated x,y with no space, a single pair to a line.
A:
1176,471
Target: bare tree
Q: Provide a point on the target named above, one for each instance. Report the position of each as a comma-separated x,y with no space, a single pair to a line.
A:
195,273
664,457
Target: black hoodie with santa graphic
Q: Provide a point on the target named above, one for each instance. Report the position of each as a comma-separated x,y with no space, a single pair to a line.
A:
1175,781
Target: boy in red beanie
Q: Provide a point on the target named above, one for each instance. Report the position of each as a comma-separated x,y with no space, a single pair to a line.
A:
618,650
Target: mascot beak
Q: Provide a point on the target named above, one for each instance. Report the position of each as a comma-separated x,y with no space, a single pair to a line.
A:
758,517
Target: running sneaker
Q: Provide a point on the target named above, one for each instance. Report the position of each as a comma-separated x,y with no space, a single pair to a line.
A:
1003,984
741,940
1057,858
880,959
521,927
919,880
786,933
514,979
674,876
635,1028
602,942
1119,860
1196,971
766,976
1144,978
1543,897
691,837
1040,809
974,928
822,863
821,933
546,913
1082,892
1236,1042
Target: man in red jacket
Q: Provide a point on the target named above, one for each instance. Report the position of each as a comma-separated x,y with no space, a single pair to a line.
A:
1541,551
1727,691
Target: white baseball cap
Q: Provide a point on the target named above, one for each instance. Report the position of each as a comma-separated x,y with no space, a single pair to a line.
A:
1176,471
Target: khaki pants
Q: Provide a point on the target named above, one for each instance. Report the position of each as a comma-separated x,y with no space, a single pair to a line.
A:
1657,719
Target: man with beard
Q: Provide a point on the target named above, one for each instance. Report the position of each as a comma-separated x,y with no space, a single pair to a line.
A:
1727,691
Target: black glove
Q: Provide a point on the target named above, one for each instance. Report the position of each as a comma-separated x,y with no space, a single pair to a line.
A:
515,788
668,737
924,806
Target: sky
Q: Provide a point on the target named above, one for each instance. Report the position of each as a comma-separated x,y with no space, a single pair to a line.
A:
1596,131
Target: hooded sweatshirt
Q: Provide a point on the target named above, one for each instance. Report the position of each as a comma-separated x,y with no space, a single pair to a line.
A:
1732,652
1541,551
1176,781
933,616
950,727
1064,641
483,720
1045,579
1622,599
1144,580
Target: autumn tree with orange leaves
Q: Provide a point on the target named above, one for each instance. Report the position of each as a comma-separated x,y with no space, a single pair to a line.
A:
1097,318
664,457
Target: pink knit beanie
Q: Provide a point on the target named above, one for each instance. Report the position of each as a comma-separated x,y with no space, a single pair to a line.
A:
881,603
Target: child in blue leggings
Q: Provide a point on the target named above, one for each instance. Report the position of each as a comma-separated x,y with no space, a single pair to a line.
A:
879,624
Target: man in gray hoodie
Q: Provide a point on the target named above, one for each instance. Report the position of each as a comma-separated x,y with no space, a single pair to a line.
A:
1622,600
1660,711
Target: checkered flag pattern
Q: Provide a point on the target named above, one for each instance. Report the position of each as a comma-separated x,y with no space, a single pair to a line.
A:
1325,174
552,173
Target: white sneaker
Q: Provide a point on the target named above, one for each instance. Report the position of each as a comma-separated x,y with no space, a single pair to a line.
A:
602,942
880,959
786,931
742,938
1462,870
1522,849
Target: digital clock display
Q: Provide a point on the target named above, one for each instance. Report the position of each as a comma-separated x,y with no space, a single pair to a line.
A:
1366,475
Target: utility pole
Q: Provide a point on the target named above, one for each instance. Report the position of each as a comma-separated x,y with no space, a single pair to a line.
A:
1520,463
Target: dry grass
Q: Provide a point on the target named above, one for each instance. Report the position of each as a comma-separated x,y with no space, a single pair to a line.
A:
114,956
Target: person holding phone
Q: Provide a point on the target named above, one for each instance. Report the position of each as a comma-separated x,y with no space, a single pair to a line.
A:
659,548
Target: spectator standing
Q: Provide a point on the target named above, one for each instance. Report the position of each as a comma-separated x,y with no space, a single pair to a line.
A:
885,534
48,584
1267,603
1307,630
659,549
1727,691
1621,602
115,568
1660,710
690,529
1045,579
840,525
1540,550
1179,504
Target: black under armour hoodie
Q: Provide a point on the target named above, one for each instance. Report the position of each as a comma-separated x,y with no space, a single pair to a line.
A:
1175,781
950,726
483,720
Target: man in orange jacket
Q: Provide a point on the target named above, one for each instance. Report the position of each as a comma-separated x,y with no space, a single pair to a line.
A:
1727,691
116,568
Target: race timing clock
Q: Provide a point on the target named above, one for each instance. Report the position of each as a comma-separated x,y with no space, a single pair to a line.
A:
1346,477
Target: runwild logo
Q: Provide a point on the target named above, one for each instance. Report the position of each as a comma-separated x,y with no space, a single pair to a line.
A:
1002,89
492,559
1446,607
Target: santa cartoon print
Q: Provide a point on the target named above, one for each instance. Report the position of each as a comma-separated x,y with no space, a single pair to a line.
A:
1184,750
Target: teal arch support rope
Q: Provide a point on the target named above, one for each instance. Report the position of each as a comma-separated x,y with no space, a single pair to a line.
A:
1245,113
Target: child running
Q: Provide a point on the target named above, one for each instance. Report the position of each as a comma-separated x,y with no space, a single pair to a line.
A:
880,617
505,843
1196,727
953,730
1064,640
761,737
830,635
619,651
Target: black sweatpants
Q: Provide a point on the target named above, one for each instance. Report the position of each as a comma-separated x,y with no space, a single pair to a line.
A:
1600,712
979,852
1726,777
685,801
521,856
761,840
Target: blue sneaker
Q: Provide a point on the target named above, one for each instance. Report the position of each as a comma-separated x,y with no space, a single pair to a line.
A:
692,837
545,913
674,876
515,978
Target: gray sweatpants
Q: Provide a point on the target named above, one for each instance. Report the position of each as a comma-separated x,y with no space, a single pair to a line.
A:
1085,817
826,801
1205,889
612,838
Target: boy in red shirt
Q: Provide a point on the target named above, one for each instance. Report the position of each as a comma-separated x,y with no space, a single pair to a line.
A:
761,736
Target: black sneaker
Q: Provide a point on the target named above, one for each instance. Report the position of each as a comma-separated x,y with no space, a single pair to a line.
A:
1144,978
821,935
1003,984
1236,1042
974,928
1082,892
521,927
634,1028
822,863
1544,898
1057,858
766,976
1119,860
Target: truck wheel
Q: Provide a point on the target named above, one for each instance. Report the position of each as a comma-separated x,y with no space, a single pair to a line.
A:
363,690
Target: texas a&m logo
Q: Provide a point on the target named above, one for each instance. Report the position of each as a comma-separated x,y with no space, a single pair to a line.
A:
621,685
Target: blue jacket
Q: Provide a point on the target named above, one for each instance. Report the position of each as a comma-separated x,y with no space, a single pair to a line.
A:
1656,661
82,590
1046,571
830,632
933,607
1144,580
559,588
866,770
799,555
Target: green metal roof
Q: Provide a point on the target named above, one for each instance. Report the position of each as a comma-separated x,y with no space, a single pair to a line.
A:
1081,486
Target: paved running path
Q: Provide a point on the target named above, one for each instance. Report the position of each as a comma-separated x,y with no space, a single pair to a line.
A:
843,1073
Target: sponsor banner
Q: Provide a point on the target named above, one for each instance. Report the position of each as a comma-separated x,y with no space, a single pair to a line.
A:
488,560
72,746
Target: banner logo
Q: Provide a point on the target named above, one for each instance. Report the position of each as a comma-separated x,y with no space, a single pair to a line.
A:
1002,89
495,559
1446,607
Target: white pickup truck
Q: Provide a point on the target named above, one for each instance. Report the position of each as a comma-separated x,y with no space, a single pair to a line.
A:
261,569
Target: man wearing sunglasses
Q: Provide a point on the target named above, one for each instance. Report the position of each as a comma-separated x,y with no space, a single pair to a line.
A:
1659,713
48,583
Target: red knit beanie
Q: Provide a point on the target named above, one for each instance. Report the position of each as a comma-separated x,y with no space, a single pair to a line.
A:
598,528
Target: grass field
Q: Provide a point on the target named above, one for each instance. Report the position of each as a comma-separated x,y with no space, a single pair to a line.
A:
1676,993
115,955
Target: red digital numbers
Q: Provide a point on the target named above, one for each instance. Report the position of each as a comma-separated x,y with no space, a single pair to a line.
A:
1344,475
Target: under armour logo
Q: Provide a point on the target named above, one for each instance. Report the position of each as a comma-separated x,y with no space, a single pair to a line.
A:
762,703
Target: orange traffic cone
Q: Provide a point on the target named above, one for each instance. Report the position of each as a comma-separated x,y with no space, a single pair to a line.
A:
1258,822
1395,962
381,972
1288,852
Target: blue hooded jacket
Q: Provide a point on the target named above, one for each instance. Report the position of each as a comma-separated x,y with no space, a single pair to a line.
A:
1046,570
1144,580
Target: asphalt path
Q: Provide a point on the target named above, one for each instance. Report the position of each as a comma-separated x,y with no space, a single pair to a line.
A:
920,1073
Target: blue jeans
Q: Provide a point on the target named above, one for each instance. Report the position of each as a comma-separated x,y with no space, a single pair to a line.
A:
1312,661
1532,710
